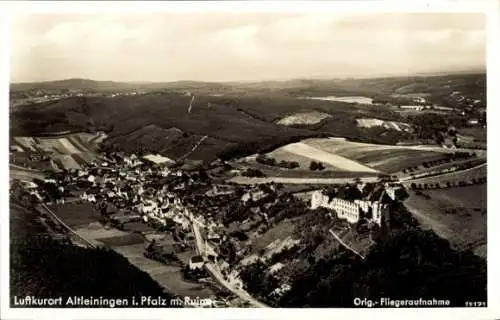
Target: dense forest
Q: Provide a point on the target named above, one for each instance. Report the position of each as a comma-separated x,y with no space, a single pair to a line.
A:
413,264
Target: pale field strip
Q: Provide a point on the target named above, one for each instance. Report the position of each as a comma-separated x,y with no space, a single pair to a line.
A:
26,142
304,118
313,153
25,175
304,162
368,123
76,142
98,138
70,148
347,148
373,122
344,148
51,145
385,161
352,149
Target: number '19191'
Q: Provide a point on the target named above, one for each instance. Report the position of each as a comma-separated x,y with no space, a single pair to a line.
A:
475,304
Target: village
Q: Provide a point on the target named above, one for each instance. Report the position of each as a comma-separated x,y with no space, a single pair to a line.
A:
209,222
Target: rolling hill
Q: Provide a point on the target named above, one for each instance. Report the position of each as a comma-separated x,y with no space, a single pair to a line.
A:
160,122
241,119
467,83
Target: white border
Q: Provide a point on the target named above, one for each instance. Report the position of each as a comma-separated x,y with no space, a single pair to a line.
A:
489,7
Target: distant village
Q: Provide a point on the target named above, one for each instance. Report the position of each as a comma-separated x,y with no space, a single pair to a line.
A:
473,109
39,95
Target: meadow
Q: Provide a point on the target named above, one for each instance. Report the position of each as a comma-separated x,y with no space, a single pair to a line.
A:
76,214
384,158
457,214
68,151
455,177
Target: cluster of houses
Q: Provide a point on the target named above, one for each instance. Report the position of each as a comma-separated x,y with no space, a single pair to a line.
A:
130,182
142,189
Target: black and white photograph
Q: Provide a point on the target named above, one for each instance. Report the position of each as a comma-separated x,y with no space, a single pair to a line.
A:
262,159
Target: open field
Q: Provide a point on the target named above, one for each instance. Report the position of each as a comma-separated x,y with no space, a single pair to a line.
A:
302,172
317,154
409,95
304,118
385,158
132,246
24,174
343,159
334,166
373,122
476,133
474,137
462,175
68,151
128,239
76,214
26,143
282,154
67,144
354,99
441,167
457,214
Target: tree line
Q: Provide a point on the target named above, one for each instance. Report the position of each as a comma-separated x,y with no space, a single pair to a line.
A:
447,184
269,161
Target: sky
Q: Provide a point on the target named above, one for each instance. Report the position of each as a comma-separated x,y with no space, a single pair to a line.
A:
160,47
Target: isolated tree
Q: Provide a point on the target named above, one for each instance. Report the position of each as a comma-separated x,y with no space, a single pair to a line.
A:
313,166
320,166
260,158
294,164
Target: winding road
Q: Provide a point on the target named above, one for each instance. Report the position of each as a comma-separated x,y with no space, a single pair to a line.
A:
215,272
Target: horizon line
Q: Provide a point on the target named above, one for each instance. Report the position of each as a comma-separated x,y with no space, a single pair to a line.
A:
312,77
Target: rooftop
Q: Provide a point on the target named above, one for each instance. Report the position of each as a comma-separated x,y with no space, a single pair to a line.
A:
158,159
196,259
